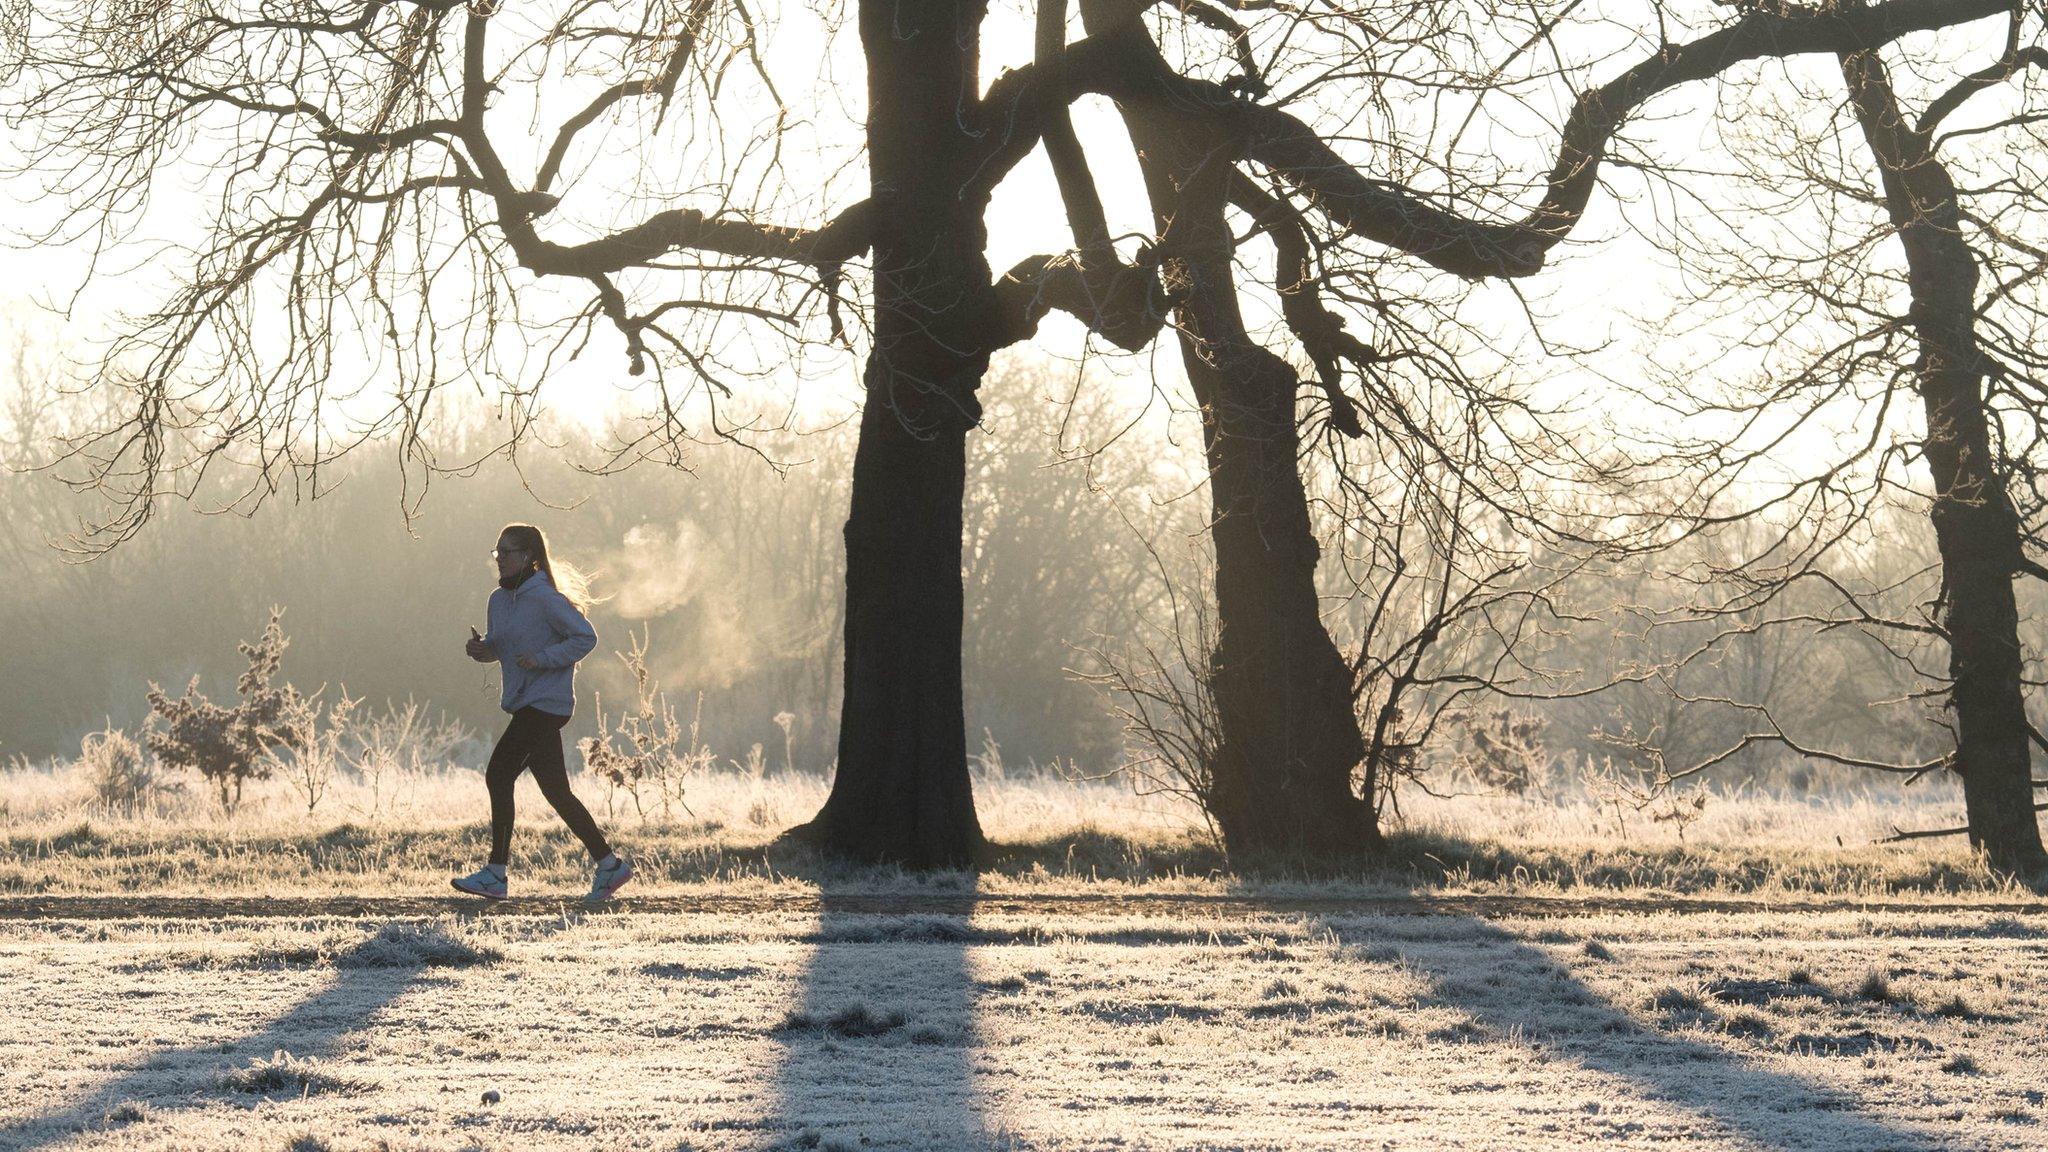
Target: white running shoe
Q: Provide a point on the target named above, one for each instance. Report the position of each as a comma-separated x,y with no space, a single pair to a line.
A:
611,875
486,882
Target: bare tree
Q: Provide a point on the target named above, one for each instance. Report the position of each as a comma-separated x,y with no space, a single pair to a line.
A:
1979,531
1912,271
374,183
1287,742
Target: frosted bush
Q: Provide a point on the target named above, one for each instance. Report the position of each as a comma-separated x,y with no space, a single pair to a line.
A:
228,746
121,774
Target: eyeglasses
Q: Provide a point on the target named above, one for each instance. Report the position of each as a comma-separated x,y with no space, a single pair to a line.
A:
497,552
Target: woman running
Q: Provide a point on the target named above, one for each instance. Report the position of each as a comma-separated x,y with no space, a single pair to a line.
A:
537,633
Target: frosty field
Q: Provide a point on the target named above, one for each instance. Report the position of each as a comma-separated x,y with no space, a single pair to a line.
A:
1516,974
407,832
936,1022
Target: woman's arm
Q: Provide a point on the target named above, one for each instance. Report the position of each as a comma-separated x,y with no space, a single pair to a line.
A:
479,647
578,637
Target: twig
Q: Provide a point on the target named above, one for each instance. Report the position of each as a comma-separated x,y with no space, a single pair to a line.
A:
1899,834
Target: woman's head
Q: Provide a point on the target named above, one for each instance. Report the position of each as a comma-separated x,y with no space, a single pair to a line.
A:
522,547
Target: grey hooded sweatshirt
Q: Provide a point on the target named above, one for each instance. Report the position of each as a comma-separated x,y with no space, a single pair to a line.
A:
536,620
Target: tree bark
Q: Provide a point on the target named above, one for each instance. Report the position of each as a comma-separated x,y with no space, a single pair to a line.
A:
902,793
1975,526
1290,739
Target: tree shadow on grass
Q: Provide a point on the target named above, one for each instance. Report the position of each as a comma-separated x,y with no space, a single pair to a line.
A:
369,976
878,1050
1508,988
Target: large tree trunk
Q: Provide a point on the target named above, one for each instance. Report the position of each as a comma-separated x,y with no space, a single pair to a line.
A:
1289,735
902,792
1975,525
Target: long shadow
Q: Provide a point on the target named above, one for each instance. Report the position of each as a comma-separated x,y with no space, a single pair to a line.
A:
878,1050
368,977
1509,988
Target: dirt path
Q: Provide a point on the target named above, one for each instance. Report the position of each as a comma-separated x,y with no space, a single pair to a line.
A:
1486,907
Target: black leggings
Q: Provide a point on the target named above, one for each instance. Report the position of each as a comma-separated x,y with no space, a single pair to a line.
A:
534,740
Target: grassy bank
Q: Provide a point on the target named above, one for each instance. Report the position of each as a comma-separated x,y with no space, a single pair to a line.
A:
408,832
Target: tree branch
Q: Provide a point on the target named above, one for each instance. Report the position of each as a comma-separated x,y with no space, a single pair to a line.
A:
2008,65
1120,302
1400,218
662,83
1898,835
1320,331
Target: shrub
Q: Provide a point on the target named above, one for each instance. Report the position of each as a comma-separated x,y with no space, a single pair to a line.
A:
403,739
1956,1008
1753,1025
1623,787
1675,998
228,746
125,1112
1163,694
855,1021
858,1020
647,747
122,776
308,748
1504,749
285,1073
419,946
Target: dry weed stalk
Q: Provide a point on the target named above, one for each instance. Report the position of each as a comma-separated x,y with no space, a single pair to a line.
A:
310,749
403,737
647,746
1171,728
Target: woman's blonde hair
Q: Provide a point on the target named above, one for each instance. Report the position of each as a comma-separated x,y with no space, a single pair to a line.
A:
571,581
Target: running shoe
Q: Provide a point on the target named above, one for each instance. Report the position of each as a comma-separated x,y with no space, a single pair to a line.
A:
485,882
611,875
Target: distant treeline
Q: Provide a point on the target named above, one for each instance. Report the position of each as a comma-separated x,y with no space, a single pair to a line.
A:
734,568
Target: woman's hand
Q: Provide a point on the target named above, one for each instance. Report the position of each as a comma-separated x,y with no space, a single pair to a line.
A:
527,662
477,649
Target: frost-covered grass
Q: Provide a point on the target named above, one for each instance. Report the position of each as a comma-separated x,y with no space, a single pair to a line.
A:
406,833
1083,1020
1194,1029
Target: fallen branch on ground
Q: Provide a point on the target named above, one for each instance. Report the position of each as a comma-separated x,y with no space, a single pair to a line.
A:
1899,834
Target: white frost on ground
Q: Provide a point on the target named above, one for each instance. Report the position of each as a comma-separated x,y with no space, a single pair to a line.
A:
1182,1031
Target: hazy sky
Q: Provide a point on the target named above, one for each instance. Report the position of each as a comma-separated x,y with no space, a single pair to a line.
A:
1600,286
